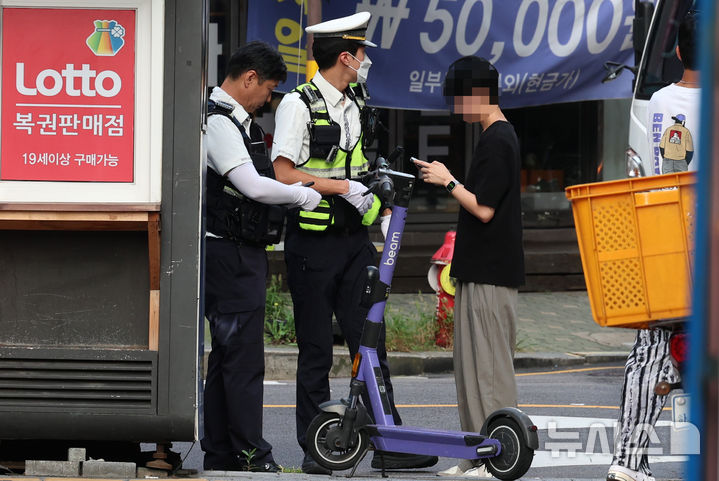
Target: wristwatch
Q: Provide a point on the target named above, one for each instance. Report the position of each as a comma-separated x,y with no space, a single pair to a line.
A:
452,184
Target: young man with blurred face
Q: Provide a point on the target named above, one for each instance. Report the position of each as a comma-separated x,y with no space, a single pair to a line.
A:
488,260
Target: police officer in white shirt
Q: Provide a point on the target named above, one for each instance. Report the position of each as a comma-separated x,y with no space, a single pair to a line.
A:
243,215
320,137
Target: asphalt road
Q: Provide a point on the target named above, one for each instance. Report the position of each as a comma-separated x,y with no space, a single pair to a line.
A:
575,410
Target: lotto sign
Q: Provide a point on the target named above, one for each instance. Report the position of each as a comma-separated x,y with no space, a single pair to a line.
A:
68,92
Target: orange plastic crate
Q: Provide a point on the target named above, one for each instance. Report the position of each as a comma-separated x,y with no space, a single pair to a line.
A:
636,240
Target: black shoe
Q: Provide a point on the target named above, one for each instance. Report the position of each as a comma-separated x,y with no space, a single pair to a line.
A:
402,460
266,467
310,466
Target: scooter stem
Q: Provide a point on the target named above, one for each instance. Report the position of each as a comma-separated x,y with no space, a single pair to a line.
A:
403,184
389,258
370,371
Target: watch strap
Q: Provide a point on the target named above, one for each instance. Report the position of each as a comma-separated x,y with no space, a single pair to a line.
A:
452,184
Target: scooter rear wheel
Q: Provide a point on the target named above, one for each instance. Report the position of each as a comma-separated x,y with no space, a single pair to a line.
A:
515,458
322,437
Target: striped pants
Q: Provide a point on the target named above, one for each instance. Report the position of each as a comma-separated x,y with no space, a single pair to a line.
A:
647,364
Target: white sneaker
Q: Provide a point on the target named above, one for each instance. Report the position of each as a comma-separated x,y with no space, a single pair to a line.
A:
620,473
478,472
453,471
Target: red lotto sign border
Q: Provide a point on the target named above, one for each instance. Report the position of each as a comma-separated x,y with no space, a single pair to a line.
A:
68,95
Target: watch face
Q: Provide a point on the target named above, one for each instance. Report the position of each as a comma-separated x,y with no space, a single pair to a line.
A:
451,185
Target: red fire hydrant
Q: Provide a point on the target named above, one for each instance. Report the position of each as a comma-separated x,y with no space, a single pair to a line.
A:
444,285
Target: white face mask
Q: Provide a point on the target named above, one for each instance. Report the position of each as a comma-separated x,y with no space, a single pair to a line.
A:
363,70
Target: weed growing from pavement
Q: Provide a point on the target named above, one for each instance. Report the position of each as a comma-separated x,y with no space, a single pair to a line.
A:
292,469
249,457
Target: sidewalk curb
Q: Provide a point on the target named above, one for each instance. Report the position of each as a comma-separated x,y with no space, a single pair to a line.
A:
392,476
281,362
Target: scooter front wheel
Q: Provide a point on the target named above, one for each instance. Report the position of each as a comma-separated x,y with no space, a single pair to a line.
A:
323,437
516,457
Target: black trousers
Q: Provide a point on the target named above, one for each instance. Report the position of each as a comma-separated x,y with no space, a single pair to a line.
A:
235,278
326,273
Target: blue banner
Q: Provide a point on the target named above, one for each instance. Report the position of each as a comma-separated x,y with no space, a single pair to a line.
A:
547,51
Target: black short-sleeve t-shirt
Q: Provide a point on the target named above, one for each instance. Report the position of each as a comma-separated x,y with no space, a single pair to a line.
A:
492,253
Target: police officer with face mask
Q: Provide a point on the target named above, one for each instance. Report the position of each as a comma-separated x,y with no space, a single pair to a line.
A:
245,213
320,137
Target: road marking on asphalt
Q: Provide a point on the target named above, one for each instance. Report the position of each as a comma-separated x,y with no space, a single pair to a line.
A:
546,459
411,406
575,406
542,373
568,371
574,422
562,444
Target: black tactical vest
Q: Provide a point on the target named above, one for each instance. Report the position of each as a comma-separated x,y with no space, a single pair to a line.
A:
229,213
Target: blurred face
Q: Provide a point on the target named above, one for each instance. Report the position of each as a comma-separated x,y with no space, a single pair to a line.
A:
259,92
474,108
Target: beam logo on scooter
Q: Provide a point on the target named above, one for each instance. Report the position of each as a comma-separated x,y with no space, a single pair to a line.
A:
393,248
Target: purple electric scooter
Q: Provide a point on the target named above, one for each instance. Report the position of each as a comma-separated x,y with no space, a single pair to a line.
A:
340,436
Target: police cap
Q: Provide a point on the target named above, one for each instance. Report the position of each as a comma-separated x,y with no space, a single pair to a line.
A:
353,27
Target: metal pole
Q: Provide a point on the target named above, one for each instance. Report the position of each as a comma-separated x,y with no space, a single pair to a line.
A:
314,15
700,377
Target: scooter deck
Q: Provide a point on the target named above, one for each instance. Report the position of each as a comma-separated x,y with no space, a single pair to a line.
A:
433,442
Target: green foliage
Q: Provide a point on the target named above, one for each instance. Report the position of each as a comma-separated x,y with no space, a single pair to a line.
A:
412,329
280,331
525,343
279,321
292,469
249,457
409,328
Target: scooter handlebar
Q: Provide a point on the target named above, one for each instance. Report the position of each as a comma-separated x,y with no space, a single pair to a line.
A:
382,181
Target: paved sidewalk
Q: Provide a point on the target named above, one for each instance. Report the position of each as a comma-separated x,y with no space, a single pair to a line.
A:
555,329
548,322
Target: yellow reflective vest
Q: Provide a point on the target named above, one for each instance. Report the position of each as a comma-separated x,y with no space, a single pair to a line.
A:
329,160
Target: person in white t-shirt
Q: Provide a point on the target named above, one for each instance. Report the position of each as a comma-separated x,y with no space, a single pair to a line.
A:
673,137
677,103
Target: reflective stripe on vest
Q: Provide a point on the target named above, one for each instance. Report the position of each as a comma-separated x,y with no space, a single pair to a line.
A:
338,169
318,219
321,218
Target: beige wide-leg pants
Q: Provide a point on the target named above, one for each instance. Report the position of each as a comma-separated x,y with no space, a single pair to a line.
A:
485,320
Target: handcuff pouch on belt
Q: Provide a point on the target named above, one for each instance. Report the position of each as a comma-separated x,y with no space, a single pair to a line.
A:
232,215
